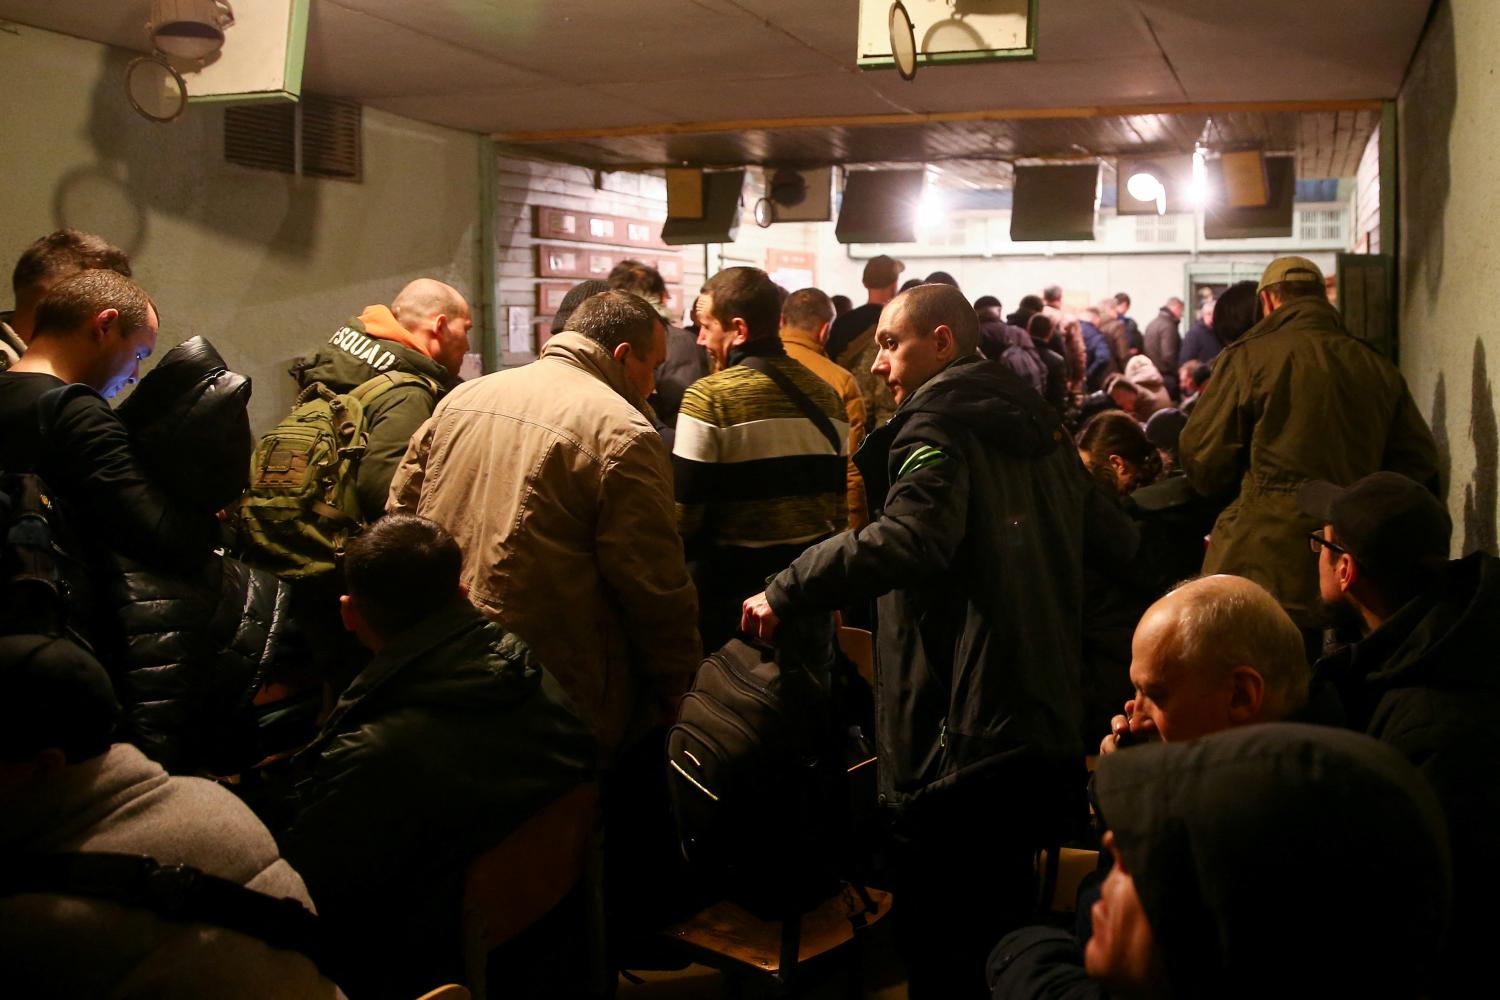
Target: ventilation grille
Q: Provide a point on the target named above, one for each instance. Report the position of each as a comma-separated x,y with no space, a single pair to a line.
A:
1322,223
317,137
1156,229
263,136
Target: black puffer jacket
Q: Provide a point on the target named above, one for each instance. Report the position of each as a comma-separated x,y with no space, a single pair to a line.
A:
189,422
188,649
976,554
187,654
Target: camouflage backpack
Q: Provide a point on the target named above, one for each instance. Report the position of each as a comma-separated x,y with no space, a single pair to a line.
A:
301,508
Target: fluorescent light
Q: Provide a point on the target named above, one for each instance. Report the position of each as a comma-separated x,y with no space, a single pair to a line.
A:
1198,190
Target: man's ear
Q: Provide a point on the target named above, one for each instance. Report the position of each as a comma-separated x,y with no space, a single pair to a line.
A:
947,344
621,351
741,331
105,322
349,614
1346,570
1247,690
823,332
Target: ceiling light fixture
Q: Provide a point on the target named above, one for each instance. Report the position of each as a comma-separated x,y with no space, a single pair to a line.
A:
1145,185
189,29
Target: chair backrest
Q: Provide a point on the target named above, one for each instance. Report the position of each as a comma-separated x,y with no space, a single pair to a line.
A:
859,645
519,880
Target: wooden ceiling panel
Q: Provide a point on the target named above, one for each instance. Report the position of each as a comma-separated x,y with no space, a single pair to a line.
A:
1326,143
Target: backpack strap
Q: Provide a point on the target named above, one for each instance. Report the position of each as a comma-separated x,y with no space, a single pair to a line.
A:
789,388
173,892
367,392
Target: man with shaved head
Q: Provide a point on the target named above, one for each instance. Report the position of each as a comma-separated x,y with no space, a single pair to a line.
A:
1215,653
425,332
981,515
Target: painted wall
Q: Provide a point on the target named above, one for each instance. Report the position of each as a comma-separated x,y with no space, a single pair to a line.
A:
1450,252
264,265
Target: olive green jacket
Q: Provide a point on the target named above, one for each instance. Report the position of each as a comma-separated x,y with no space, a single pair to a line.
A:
1296,398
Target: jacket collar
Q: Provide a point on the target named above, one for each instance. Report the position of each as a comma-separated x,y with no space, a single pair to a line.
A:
760,347
458,617
803,339
1319,310
580,352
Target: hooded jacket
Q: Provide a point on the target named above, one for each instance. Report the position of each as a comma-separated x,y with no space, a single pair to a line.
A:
120,802
1427,684
1014,349
975,552
1283,860
448,740
1296,398
1153,395
568,531
370,344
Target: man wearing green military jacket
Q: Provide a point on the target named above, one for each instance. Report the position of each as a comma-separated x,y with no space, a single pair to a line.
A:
1297,398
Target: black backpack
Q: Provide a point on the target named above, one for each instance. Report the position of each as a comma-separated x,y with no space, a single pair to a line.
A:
757,769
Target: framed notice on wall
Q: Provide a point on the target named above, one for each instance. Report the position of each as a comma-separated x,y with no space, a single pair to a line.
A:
596,227
792,269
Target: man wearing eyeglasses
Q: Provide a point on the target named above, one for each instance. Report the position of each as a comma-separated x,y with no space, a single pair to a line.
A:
1424,676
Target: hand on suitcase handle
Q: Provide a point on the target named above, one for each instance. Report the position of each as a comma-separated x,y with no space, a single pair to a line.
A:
757,618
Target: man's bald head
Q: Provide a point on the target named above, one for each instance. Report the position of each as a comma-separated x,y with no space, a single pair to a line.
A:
1194,647
439,316
425,298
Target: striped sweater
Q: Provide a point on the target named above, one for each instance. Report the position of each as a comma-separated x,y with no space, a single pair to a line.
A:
751,468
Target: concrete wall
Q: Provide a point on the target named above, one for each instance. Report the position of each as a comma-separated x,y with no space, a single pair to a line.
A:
1449,174
262,264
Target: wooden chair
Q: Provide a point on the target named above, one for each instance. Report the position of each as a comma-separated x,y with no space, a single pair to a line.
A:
450,992
741,946
520,880
859,645
1060,882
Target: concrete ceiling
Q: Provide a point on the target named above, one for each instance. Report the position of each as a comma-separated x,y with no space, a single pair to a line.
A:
518,68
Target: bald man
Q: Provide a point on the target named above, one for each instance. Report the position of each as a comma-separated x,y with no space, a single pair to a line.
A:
981,519
1215,653
425,332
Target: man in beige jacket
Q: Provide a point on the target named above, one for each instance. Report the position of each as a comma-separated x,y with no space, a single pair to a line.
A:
806,316
559,491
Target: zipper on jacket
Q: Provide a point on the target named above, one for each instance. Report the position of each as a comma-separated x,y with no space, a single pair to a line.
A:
943,735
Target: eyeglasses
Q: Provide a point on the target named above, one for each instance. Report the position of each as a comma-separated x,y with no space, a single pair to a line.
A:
1316,541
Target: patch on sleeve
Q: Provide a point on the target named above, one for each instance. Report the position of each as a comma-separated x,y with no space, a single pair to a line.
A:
924,456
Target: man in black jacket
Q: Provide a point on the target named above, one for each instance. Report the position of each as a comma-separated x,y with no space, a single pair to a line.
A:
1277,860
982,517
1423,677
91,333
448,740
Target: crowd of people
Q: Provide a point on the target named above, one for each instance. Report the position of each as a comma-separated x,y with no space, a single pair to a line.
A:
243,683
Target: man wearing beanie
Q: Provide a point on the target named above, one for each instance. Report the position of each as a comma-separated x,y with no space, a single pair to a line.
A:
1273,860
1422,678
1296,398
64,788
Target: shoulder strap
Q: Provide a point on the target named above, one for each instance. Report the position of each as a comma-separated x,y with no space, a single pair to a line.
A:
174,892
367,392
809,409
